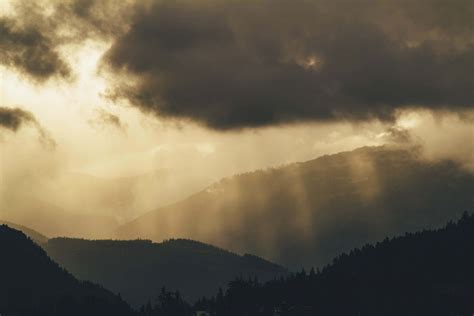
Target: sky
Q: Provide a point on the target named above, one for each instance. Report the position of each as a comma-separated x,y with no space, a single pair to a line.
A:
211,88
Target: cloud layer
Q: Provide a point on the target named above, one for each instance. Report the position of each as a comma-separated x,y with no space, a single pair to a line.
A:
236,64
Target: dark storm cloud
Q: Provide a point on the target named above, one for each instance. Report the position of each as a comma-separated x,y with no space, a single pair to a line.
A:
234,64
15,118
86,19
30,39
31,52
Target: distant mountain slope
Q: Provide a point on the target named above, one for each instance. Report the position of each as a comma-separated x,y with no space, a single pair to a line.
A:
32,284
32,234
53,220
138,269
307,213
81,205
427,273
124,198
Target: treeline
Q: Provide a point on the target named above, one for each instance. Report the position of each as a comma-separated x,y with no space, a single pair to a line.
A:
21,304
425,273
168,303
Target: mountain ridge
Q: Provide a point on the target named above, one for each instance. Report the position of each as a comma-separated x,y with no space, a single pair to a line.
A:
34,235
334,202
137,269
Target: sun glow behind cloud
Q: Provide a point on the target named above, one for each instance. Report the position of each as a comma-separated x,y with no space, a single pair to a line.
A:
57,99
67,108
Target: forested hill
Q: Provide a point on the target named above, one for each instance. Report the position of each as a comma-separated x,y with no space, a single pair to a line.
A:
31,284
426,273
137,269
305,214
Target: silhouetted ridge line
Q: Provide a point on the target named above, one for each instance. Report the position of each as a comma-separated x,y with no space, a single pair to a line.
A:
137,269
425,273
31,233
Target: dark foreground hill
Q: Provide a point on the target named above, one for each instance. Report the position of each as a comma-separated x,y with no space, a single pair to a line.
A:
426,273
139,269
32,284
31,233
305,214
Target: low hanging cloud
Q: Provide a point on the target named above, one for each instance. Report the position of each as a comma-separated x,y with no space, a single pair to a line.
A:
396,135
236,64
15,118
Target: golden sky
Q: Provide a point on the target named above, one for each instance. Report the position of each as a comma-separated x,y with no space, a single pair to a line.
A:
113,103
